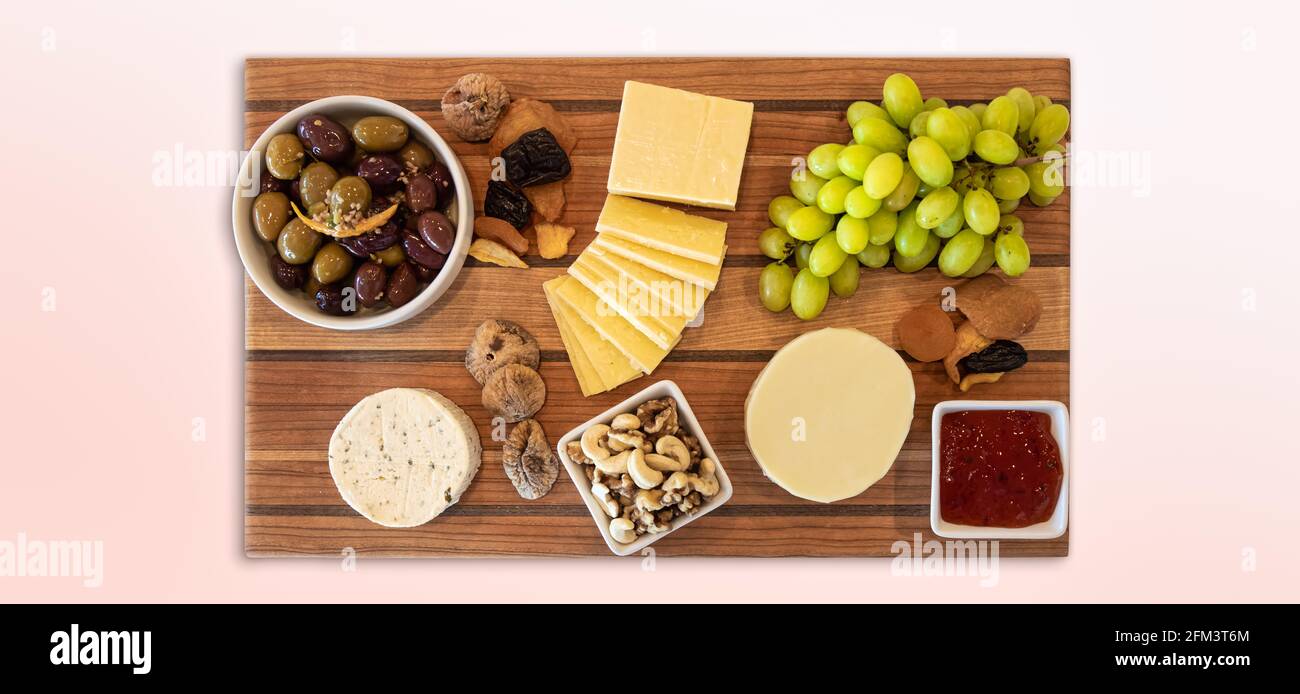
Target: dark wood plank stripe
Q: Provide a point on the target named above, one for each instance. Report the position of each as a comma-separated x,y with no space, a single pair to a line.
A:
606,105
573,510
453,356
746,260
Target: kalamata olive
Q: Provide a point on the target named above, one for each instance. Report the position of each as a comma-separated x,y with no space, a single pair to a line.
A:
437,231
331,264
415,156
442,182
403,285
270,214
380,133
369,283
284,156
315,182
297,242
426,274
295,193
325,138
420,252
364,245
380,170
270,184
349,200
336,300
286,275
421,193
391,256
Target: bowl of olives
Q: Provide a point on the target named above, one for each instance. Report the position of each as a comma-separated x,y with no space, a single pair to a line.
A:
352,213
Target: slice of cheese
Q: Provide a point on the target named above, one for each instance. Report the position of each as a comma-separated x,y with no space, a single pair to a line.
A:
703,274
611,365
827,416
663,229
686,298
661,323
679,146
588,380
644,354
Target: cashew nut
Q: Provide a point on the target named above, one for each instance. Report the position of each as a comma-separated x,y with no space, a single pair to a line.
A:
706,487
645,476
650,499
607,504
663,463
613,465
626,422
674,448
593,443
622,530
627,440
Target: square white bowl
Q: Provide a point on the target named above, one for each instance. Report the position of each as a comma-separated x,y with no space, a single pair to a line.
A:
1050,529
686,420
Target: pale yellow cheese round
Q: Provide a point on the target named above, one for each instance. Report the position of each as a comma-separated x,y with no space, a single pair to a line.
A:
827,416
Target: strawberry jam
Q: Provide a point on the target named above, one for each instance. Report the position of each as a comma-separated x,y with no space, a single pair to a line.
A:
998,468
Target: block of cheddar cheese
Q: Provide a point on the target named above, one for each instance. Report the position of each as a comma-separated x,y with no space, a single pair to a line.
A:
663,229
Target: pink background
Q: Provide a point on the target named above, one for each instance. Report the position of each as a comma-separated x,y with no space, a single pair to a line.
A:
1193,390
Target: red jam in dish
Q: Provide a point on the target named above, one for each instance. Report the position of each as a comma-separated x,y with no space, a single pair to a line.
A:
998,468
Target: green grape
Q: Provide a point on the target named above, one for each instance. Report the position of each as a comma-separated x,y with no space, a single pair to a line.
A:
1049,127
883,175
864,109
852,234
853,160
951,225
1025,105
774,284
874,256
1046,178
996,147
982,265
936,207
808,294
831,196
920,260
804,186
910,237
971,121
981,211
844,281
906,190
961,252
801,255
826,256
1009,183
822,160
882,135
965,178
1041,200
809,224
1011,224
1012,254
781,207
978,109
858,204
902,99
775,243
930,162
1002,115
917,127
881,227
947,128
934,102
1008,206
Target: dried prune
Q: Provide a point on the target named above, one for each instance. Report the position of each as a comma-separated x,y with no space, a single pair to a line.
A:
504,201
535,158
1002,355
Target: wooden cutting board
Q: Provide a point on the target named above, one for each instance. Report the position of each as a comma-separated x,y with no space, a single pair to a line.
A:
300,379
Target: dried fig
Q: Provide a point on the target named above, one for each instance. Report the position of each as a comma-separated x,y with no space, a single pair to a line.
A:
499,343
528,460
515,392
473,106
926,333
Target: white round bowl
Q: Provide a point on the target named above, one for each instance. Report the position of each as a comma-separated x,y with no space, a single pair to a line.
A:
255,253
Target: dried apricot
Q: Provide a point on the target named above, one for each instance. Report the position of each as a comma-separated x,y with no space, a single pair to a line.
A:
553,239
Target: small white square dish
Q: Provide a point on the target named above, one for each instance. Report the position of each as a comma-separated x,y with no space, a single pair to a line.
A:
1052,528
686,420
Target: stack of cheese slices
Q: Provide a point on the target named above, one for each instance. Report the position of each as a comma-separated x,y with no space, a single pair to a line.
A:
625,301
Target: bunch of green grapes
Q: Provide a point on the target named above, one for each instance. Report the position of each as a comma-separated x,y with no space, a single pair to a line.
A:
920,180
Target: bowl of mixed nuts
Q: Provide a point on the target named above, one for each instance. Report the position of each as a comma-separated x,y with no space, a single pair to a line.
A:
644,468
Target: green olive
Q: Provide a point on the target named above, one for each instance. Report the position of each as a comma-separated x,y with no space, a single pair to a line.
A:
297,242
270,214
391,256
315,182
332,263
284,156
380,133
415,156
349,200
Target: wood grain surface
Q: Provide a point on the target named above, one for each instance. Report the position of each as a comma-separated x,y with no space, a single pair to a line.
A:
300,380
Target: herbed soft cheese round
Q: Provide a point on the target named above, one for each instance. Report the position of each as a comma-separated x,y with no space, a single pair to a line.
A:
403,455
827,416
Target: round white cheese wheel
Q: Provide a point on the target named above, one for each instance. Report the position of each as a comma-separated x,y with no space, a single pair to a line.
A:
403,455
827,416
